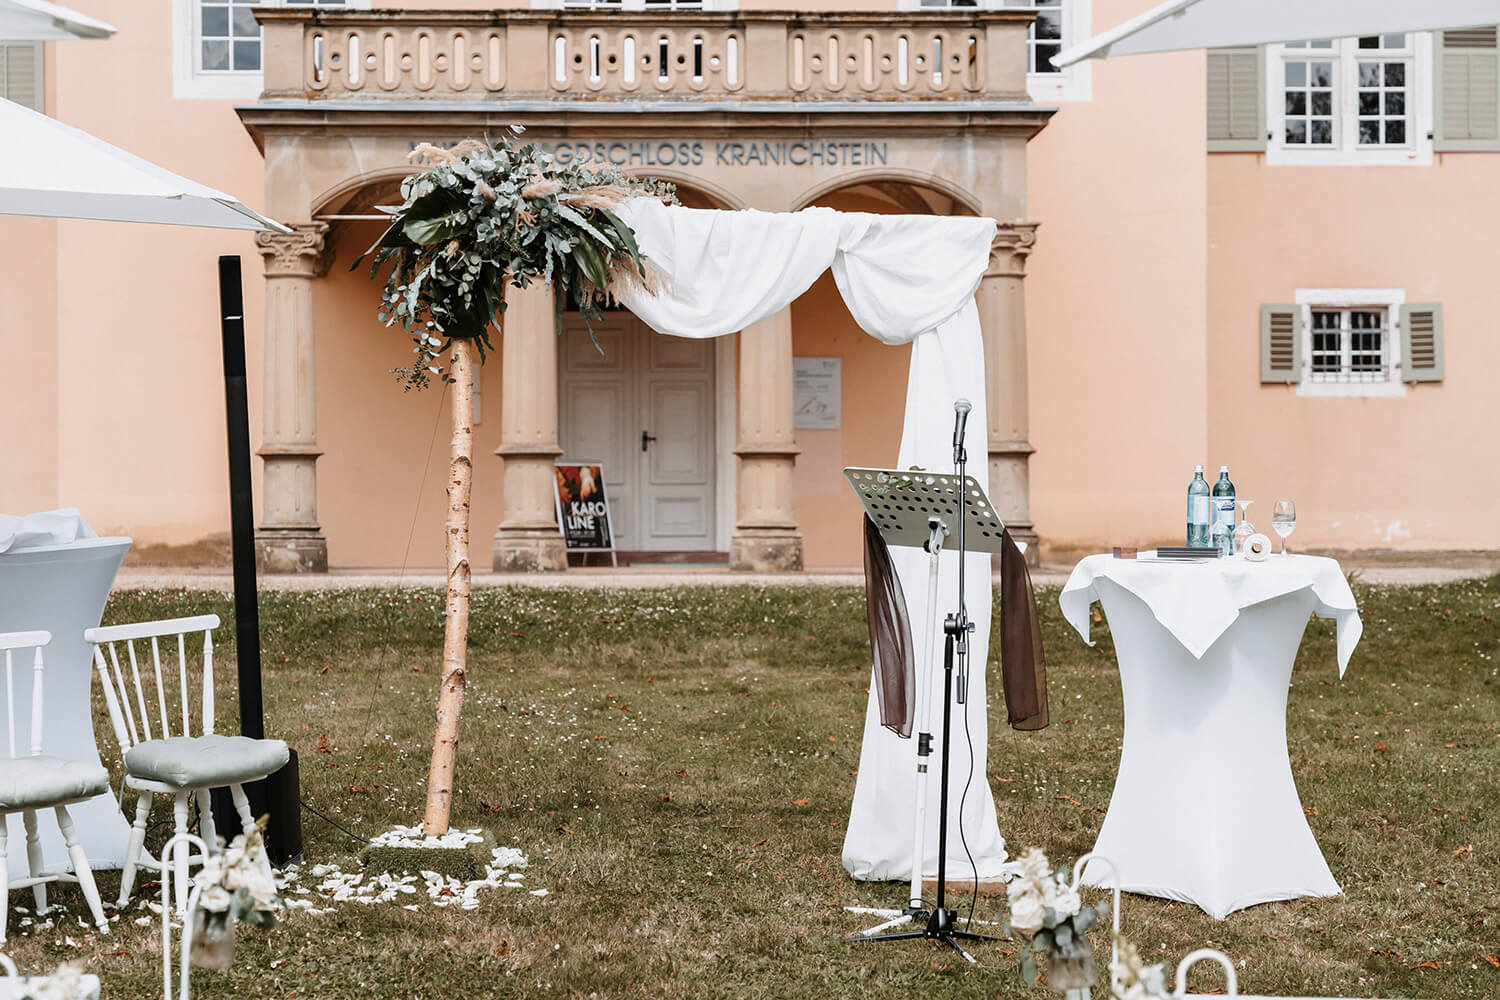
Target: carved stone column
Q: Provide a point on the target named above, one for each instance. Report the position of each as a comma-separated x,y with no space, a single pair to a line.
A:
289,539
765,536
1002,317
528,539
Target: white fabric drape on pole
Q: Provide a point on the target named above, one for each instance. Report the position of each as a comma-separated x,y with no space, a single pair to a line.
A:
906,279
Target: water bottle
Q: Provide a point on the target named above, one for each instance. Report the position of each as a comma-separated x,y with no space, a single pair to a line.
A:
1223,513
1199,515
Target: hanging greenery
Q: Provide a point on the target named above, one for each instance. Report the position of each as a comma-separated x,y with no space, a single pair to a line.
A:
484,215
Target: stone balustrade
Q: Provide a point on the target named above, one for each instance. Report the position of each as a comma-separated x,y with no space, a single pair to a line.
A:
345,54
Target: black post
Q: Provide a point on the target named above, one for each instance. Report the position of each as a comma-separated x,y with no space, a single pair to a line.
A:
241,502
277,795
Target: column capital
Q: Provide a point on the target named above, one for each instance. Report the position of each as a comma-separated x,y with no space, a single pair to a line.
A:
302,253
1012,245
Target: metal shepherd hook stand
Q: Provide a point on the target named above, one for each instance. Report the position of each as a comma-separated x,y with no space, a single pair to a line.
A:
919,509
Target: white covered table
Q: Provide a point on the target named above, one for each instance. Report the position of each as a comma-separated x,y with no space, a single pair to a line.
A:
1204,809
63,588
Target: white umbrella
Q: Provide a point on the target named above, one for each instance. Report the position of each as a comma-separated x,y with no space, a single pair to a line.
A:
1209,24
40,21
55,170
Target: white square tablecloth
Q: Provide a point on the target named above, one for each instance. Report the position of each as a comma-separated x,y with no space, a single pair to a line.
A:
1204,808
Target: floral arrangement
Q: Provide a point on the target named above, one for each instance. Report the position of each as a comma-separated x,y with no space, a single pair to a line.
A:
234,885
1044,905
64,984
1131,979
483,215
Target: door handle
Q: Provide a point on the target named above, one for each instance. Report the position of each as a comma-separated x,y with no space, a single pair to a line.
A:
646,439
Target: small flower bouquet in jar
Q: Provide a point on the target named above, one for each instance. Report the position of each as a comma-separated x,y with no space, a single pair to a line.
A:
1045,907
234,885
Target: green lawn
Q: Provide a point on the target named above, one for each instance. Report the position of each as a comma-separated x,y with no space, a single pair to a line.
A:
677,765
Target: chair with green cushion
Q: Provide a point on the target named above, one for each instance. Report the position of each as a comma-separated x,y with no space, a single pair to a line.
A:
168,759
36,781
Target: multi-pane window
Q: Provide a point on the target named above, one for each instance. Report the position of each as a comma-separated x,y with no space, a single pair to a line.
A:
1346,94
229,37
1307,75
1350,345
1382,66
1043,40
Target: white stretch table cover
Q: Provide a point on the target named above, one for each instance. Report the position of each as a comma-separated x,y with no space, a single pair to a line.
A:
1204,808
906,279
63,589
1198,601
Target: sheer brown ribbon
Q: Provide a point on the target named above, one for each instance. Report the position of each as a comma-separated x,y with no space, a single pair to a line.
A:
1023,663
890,636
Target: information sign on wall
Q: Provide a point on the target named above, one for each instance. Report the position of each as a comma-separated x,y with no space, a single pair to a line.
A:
816,393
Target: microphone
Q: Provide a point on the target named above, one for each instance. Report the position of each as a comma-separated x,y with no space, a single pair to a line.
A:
961,408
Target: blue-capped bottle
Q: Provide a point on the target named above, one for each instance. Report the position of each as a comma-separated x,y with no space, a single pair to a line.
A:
1223,507
1199,509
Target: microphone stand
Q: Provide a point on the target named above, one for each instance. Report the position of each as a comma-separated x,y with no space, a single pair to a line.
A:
957,629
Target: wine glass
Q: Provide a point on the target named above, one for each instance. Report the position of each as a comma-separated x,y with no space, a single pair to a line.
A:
1284,520
1245,529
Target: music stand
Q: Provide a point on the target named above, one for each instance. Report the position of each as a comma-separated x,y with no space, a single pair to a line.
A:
918,509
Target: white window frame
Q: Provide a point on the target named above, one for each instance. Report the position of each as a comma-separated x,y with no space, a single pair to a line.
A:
189,82
1346,151
1071,83
1390,299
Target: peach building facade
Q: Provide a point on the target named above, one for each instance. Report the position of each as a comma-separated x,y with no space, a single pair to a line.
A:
1262,258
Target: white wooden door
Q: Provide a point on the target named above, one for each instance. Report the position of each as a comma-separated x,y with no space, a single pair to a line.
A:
644,408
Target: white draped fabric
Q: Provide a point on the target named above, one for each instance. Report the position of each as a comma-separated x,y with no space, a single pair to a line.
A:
906,279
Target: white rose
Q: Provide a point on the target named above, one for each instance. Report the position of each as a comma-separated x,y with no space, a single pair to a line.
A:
1035,864
1026,913
214,898
1066,902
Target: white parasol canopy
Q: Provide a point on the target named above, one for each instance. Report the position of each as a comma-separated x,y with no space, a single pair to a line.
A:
58,171
1210,24
40,21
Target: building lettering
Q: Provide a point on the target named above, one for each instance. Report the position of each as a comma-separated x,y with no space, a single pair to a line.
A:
722,153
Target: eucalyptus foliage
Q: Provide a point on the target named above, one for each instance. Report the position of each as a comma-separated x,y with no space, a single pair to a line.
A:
482,216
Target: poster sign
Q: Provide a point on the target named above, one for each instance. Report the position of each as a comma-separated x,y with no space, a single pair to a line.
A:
816,391
582,507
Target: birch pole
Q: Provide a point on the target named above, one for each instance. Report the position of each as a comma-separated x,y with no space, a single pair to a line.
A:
456,631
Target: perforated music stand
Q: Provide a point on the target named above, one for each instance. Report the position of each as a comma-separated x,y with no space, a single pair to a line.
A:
918,509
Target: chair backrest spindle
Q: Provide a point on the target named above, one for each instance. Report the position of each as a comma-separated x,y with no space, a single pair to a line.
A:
123,715
10,642
161,690
208,681
36,704
10,704
140,694
187,724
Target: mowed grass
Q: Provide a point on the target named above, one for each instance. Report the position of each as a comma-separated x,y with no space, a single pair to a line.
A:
678,765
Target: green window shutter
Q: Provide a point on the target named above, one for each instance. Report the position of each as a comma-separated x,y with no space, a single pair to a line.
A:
1422,342
21,73
1468,91
1236,101
1281,344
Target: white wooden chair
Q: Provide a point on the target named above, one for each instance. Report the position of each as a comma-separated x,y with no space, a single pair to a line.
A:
180,765
35,782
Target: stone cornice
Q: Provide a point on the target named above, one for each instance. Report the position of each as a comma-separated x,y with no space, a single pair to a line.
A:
1012,245
302,253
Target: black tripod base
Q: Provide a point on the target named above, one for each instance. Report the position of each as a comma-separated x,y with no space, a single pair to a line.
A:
938,926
